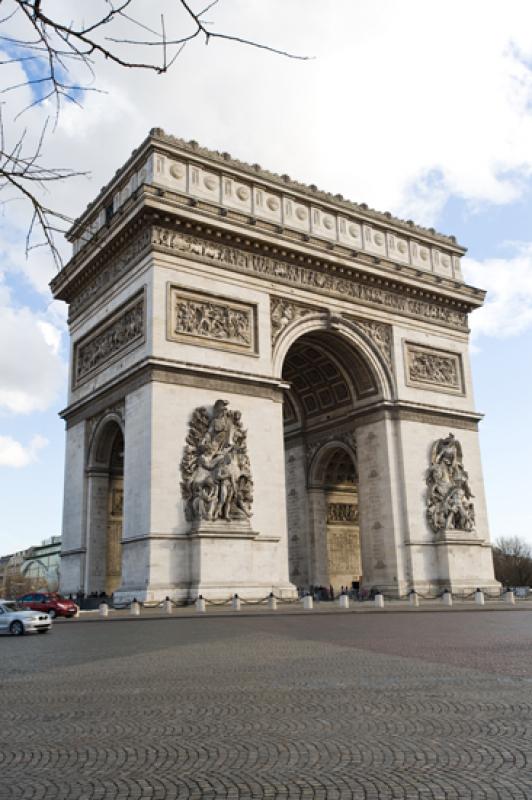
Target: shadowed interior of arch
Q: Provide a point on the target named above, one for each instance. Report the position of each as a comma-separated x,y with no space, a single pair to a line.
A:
106,492
329,381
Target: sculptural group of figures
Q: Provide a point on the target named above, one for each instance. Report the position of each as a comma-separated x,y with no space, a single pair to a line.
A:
216,476
449,498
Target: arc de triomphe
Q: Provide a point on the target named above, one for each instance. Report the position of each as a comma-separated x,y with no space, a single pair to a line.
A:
269,388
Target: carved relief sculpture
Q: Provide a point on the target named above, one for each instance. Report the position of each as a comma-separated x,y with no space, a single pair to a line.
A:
342,512
112,339
380,334
283,312
429,368
203,319
449,498
216,475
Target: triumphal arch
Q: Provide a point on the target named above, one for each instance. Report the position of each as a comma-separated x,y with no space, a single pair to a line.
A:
269,388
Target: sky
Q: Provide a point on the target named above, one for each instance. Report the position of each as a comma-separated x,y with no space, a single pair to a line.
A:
420,108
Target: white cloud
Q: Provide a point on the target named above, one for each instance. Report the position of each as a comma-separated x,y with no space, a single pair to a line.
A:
51,335
15,454
32,372
508,281
405,104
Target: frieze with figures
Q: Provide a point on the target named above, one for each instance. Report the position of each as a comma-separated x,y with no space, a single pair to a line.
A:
211,321
112,339
114,270
430,368
342,513
347,288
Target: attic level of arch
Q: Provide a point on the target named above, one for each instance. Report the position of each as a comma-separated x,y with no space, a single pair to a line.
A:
171,202
151,228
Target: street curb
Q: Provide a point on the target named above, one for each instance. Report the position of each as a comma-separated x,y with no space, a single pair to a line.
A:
266,613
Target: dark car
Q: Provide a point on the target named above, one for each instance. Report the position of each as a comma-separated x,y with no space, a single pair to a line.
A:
54,604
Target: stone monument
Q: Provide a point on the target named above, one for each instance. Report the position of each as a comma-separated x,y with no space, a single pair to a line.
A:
269,388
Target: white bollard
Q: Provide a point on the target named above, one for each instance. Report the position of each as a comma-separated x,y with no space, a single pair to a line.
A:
272,602
76,615
235,603
509,598
447,598
413,599
379,601
479,597
103,609
201,606
168,607
308,602
344,601
135,609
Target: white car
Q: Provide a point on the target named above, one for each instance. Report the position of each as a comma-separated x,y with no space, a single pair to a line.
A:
17,620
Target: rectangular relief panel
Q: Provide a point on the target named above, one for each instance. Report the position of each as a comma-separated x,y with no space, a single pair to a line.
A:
430,368
209,320
115,336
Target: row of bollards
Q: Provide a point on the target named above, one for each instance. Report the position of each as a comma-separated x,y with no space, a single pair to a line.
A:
308,602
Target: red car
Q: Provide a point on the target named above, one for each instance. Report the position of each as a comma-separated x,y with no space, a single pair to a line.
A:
51,602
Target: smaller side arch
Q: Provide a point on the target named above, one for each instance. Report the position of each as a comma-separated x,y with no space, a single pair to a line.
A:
102,438
319,460
104,504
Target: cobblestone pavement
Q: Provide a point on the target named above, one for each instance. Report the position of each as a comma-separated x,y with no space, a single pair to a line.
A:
400,707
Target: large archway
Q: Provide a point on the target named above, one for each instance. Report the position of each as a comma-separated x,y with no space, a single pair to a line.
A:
330,381
105,509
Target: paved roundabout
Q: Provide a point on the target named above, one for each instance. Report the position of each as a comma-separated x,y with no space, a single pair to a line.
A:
428,706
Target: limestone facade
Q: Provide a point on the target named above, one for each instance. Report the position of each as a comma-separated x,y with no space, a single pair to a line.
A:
337,337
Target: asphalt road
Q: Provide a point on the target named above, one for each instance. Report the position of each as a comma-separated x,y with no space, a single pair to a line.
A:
432,706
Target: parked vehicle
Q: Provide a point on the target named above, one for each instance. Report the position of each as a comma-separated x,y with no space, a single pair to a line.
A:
17,620
54,604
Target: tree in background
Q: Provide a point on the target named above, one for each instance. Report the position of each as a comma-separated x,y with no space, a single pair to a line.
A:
512,560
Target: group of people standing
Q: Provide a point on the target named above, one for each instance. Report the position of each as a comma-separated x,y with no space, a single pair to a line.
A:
328,593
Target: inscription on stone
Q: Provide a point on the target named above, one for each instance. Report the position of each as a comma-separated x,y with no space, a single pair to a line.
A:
206,320
343,551
112,339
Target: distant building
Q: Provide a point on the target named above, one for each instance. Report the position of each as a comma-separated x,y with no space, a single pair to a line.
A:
41,564
34,568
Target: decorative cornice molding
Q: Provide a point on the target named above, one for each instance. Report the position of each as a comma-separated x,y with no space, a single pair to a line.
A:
351,285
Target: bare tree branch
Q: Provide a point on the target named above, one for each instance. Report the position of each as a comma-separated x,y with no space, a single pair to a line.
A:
26,175
53,53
